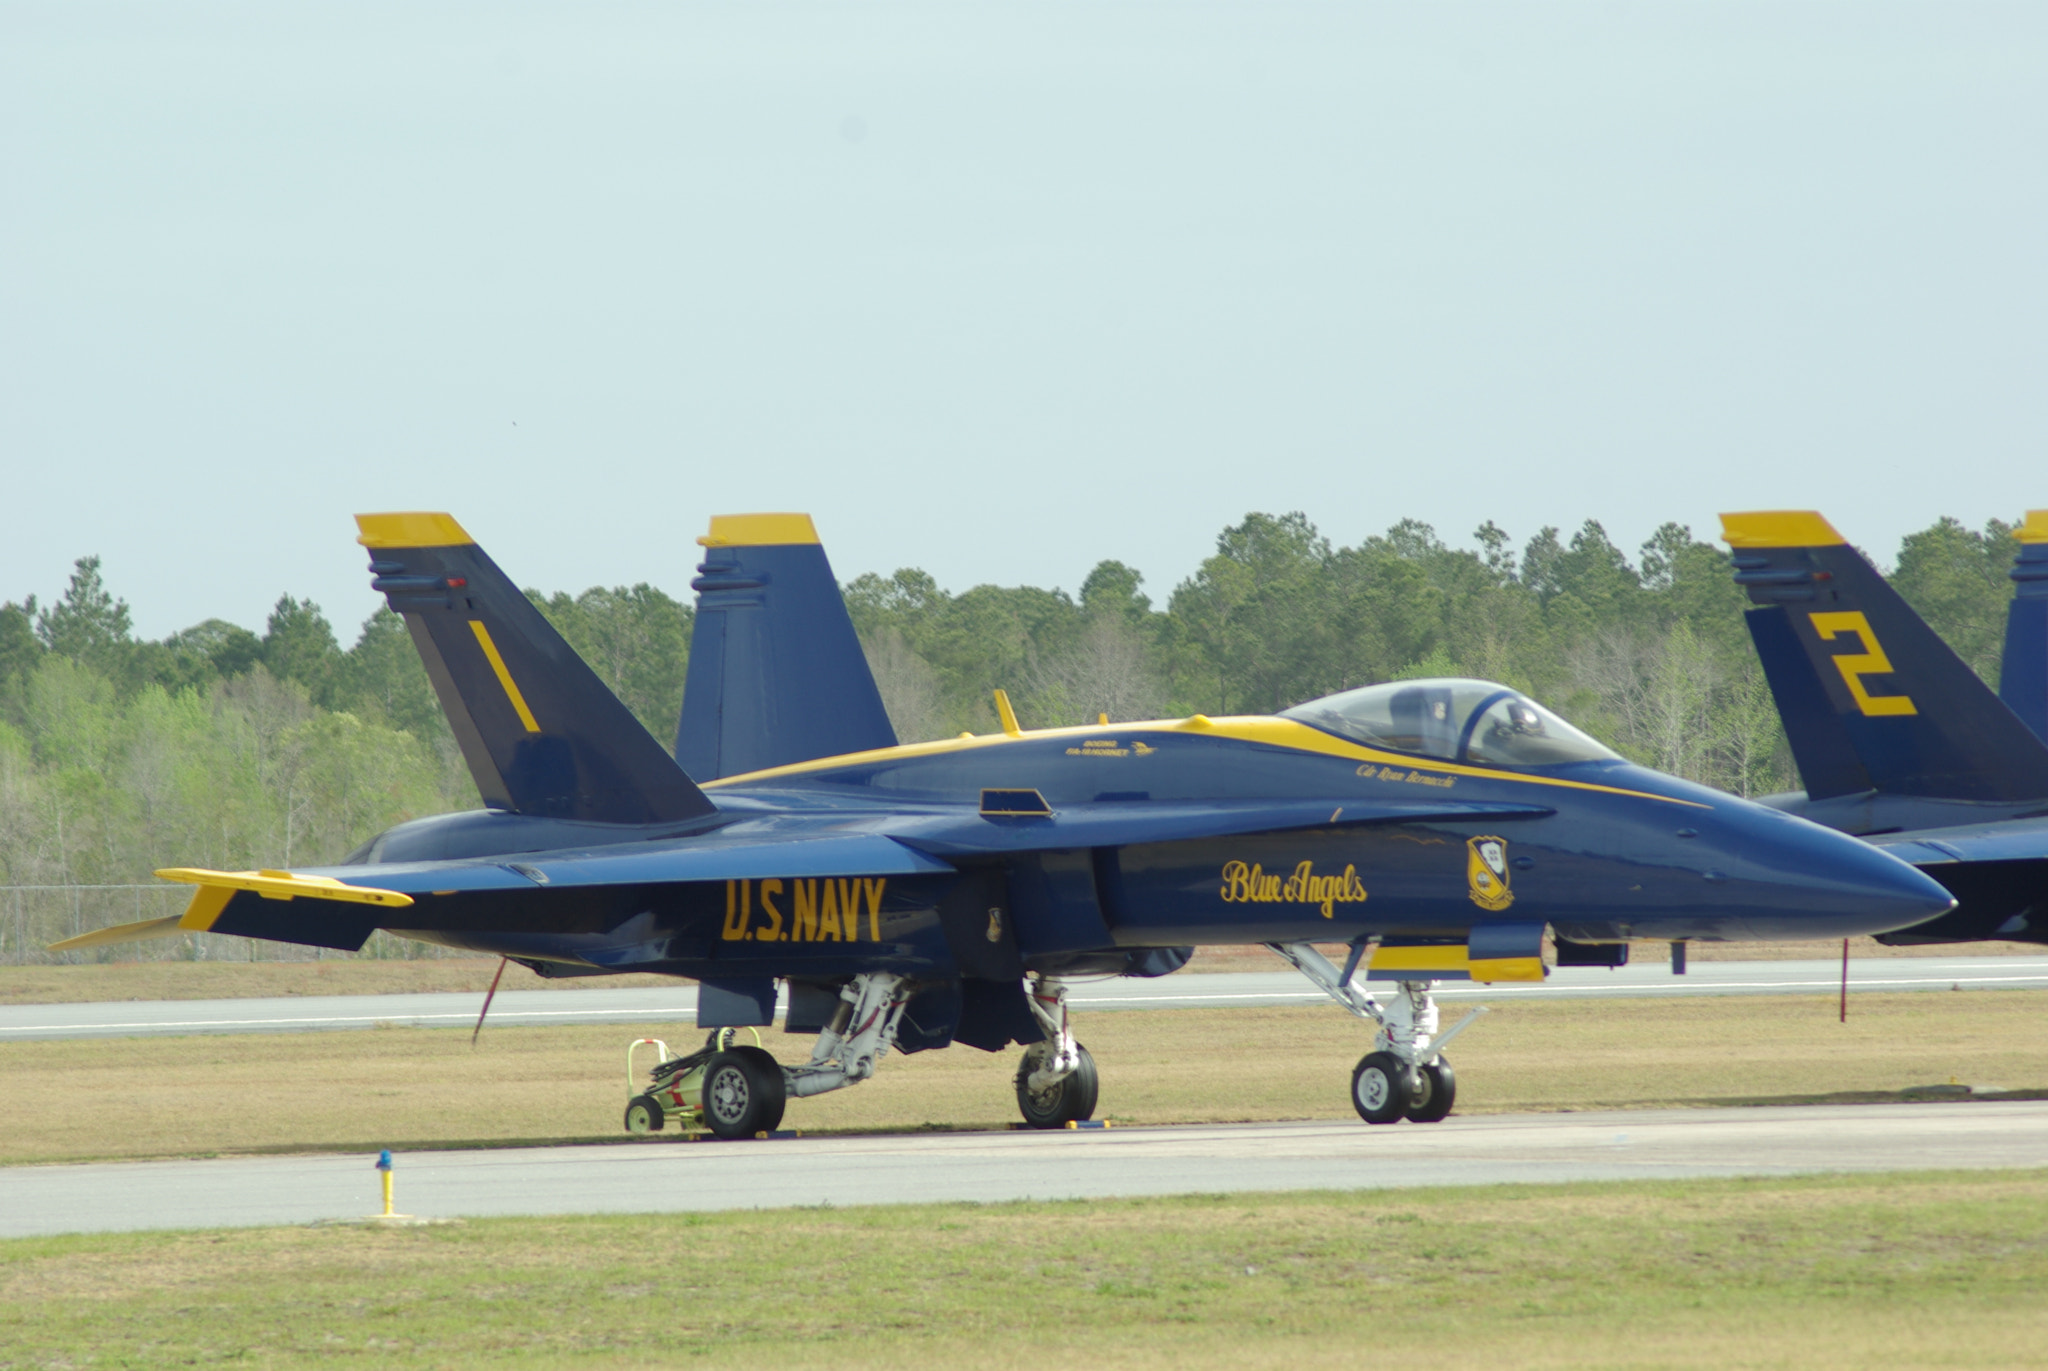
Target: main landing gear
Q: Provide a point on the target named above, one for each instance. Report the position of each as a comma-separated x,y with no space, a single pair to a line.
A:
1056,1081
743,1089
1406,1075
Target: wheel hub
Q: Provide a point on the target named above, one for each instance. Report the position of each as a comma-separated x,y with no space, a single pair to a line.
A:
727,1097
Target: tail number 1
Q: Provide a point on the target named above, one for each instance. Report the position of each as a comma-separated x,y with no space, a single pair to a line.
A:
1854,666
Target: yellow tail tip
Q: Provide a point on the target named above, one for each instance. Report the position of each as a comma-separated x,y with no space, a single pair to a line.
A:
2034,528
759,530
1779,528
416,529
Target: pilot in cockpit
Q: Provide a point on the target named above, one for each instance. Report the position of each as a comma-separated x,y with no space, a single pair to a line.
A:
1423,713
1522,721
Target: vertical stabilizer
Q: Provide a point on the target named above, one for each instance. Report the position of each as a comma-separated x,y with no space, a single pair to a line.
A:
776,672
1871,697
2023,678
541,733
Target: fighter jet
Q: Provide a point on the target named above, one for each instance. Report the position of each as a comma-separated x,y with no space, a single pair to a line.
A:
1896,739
914,896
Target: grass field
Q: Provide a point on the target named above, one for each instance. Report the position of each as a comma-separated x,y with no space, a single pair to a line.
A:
353,1091
340,975
1927,1270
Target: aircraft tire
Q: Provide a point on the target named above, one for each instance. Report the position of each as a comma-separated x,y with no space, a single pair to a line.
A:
1376,1091
741,1096
1436,1089
775,1089
1069,1101
644,1115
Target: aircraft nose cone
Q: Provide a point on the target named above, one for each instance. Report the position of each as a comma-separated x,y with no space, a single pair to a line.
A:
1844,888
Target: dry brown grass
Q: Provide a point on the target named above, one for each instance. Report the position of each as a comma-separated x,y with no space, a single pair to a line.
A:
140,1097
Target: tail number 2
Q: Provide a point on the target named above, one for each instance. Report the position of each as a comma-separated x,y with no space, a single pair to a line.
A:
1854,666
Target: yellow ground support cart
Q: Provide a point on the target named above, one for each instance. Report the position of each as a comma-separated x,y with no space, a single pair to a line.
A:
677,1083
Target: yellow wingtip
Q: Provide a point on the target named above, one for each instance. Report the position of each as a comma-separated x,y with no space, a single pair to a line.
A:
1779,528
759,530
415,529
2034,528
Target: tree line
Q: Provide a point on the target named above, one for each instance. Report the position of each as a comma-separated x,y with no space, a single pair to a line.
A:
219,746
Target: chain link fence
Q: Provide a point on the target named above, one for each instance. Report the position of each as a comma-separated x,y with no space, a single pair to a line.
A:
34,916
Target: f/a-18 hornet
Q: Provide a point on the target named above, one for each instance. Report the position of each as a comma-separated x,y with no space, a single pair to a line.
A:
1896,739
914,896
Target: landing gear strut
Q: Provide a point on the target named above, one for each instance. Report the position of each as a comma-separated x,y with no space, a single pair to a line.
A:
1056,1081
862,1031
1406,1075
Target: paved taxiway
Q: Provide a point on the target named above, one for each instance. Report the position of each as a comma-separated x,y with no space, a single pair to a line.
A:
664,1176
1184,991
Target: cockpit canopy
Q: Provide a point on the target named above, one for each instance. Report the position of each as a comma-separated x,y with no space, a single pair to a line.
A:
1456,720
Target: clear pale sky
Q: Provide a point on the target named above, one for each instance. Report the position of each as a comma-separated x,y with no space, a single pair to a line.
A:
998,290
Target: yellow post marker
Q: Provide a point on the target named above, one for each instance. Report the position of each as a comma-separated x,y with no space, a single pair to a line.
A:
384,1166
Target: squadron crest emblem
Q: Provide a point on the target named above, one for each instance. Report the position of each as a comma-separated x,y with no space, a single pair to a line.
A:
1486,871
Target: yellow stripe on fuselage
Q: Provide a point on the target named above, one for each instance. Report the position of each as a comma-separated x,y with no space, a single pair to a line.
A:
1267,730
1448,958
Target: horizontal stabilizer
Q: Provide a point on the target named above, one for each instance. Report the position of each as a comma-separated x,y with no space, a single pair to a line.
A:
1122,823
122,933
541,733
1870,696
776,675
284,885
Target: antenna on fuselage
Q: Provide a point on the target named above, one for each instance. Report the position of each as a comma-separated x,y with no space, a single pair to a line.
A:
1007,714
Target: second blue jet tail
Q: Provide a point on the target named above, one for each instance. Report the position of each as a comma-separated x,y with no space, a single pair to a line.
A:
2023,678
777,675
1872,699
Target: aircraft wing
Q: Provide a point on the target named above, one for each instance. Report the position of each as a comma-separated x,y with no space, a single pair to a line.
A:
1121,823
340,906
2014,840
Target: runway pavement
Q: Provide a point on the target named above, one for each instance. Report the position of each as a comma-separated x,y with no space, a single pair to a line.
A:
668,1176
1183,991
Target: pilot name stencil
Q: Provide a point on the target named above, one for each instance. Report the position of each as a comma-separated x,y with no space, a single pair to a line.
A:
1373,771
1252,885
819,910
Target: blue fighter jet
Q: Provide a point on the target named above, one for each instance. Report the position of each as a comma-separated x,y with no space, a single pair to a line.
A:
1896,739
914,896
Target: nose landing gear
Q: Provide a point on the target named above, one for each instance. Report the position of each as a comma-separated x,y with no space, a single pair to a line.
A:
1381,1095
1406,1075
